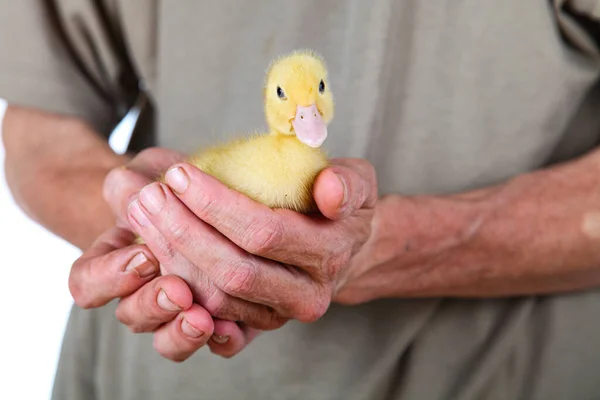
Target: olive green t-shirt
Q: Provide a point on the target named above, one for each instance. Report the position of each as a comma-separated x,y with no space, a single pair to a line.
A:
440,96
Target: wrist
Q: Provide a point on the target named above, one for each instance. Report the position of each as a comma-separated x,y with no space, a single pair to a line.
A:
55,168
418,245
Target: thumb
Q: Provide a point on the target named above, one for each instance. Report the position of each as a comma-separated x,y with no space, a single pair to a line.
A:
122,184
344,187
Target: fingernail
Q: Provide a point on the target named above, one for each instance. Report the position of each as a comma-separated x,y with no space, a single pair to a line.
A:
152,198
141,265
137,214
220,339
177,179
190,329
166,304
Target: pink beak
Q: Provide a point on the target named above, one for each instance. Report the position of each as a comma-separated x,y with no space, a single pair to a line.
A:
309,126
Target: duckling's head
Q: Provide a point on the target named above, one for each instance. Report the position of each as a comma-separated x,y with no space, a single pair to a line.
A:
298,100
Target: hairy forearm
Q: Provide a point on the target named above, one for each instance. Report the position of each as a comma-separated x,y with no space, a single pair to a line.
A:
55,168
538,233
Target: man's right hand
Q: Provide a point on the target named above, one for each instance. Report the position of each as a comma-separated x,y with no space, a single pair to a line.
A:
114,268
55,169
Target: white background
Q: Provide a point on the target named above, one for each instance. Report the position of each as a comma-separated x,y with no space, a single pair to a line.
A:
34,294
35,301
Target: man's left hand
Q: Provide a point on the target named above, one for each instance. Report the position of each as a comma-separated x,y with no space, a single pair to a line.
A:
246,262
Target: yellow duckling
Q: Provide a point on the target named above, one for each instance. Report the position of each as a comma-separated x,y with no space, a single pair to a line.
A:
278,168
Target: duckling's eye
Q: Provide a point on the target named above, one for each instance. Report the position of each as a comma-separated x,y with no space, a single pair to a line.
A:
321,87
280,93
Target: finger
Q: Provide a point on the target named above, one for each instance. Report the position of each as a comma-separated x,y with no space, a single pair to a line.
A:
120,186
230,338
232,270
155,303
345,187
122,183
280,235
178,339
154,161
110,269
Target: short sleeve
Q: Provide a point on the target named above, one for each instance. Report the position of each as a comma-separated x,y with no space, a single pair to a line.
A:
34,69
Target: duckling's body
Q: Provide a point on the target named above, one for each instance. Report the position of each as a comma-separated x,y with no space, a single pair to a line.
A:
275,170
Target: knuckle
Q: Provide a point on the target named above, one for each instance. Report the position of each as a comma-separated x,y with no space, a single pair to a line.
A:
206,206
312,311
333,265
263,237
239,278
179,232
